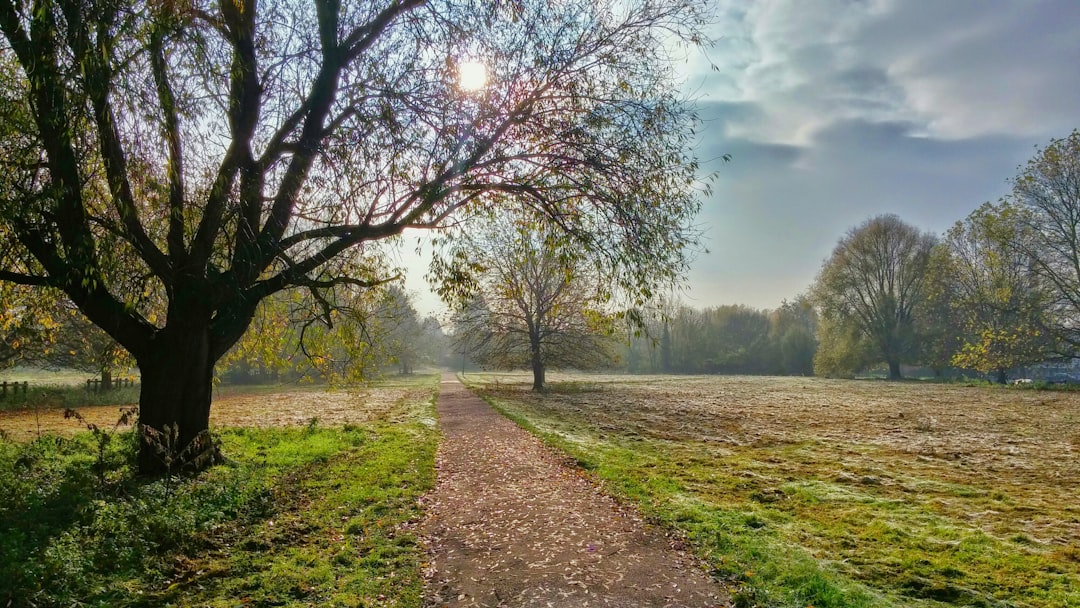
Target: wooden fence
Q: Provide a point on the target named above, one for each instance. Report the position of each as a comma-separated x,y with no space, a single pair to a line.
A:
15,386
94,384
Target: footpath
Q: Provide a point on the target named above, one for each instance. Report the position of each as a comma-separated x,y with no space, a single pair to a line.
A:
511,524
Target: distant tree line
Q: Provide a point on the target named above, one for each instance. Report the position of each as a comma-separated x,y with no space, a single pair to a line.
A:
998,292
359,334
724,340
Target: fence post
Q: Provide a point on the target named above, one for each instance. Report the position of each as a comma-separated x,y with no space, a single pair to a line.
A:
25,387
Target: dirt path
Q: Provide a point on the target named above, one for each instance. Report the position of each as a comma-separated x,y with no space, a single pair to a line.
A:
511,525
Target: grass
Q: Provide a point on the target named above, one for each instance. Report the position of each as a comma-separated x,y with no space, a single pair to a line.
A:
45,397
836,493
298,516
59,389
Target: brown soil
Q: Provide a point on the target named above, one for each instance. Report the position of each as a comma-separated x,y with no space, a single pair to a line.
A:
511,524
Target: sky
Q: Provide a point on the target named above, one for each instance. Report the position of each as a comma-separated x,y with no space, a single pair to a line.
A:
835,111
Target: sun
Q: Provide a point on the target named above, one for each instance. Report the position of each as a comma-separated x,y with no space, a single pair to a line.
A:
472,75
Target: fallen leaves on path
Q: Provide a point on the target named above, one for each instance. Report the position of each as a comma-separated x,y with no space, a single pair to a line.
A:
511,524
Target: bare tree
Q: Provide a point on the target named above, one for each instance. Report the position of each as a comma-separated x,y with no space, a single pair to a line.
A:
875,279
168,165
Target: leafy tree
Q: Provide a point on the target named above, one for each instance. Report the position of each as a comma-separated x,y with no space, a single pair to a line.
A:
343,340
732,339
941,328
736,341
269,347
997,300
26,323
1046,194
77,343
543,306
169,165
434,343
470,336
875,280
793,332
40,327
401,329
843,348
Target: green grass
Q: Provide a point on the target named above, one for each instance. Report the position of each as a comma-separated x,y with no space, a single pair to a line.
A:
296,517
799,522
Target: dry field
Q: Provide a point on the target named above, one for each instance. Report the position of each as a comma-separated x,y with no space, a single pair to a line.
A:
285,407
923,492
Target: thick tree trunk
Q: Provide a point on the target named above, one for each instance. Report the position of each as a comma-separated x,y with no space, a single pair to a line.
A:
894,371
1001,376
106,380
177,377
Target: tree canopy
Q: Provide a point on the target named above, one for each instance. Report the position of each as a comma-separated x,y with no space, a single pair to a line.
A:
169,165
875,280
1046,197
997,301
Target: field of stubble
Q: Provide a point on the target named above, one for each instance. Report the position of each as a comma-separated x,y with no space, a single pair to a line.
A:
837,493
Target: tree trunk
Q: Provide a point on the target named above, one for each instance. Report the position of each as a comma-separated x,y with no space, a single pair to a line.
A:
537,359
894,370
538,372
106,380
1001,376
177,377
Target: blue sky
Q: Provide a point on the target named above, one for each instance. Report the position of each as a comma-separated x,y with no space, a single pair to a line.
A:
835,111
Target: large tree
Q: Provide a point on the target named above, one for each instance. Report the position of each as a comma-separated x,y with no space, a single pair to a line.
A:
168,165
997,301
543,306
1046,194
875,279
401,329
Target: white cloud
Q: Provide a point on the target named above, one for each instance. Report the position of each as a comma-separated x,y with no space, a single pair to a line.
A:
955,69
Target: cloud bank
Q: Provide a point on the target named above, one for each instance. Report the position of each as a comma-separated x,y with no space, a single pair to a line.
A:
838,110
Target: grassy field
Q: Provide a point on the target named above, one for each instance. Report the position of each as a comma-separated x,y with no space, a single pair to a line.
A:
315,507
815,492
